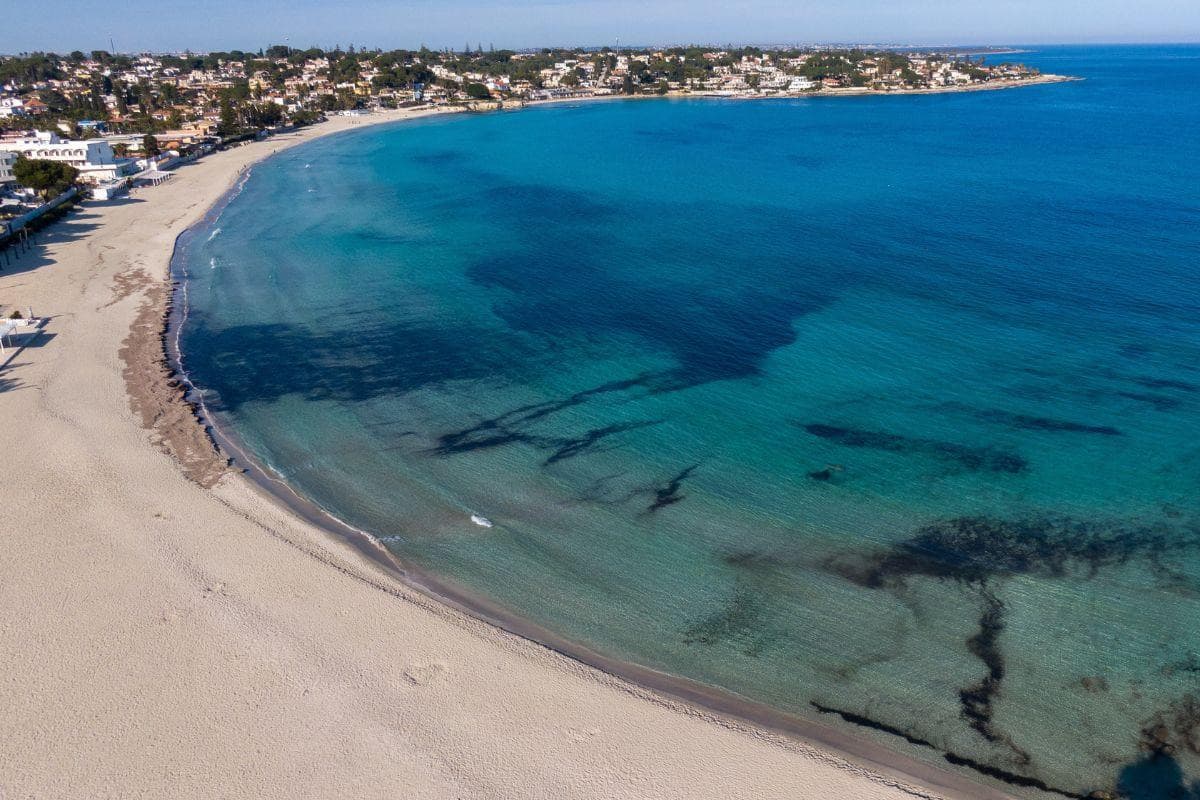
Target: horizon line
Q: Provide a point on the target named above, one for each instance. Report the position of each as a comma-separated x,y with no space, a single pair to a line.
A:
633,46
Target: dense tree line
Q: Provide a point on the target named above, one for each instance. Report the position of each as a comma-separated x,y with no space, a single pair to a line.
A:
30,68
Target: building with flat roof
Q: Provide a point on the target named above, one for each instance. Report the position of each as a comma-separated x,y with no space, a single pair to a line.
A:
12,107
94,158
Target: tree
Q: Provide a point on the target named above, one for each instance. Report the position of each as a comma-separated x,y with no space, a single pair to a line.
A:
305,116
264,115
229,121
150,145
29,68
145,97
477,91
47,178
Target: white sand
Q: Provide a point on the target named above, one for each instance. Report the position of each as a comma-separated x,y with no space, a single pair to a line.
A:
160,639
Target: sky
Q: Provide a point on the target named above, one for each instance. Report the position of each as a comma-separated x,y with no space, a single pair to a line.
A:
65,25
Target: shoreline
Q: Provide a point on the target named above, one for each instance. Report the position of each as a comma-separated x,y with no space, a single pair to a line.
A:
990,86
175,608
729,707
725,707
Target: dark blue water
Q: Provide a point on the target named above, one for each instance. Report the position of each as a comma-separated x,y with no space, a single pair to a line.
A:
882,410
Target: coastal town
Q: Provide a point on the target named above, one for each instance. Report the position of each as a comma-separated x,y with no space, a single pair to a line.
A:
600,422
114,121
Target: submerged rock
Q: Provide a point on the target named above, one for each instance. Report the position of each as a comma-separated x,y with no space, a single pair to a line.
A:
975,459
972,549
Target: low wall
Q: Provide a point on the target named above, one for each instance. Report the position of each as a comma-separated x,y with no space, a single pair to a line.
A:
17,223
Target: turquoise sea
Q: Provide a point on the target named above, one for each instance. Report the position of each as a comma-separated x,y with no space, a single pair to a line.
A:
882,411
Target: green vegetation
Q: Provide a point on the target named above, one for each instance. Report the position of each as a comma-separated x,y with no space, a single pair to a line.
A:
47,178
229,125
262,115
246,91
398,70
30,68
305,116
477,91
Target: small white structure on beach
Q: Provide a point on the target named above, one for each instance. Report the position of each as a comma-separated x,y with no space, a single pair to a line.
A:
152,176
10,328
109,190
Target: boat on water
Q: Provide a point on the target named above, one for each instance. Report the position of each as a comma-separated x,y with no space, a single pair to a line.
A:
481,521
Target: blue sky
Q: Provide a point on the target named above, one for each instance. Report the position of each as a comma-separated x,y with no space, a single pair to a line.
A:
65,25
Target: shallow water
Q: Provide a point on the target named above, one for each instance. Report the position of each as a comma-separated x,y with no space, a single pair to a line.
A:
883,411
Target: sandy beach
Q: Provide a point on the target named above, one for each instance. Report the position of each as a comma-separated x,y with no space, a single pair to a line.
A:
171,631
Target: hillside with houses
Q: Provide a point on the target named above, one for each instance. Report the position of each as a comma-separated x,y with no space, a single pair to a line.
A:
109,120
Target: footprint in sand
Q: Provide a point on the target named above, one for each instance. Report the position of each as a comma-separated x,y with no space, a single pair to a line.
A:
578,735
169,616
426,674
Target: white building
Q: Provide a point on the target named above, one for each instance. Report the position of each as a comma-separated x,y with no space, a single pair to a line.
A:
93,158
12,107
6,167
